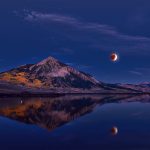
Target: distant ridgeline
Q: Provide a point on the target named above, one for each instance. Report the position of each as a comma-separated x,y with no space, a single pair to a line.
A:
55,76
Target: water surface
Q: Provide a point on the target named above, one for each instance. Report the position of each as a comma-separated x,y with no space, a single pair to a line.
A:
75,123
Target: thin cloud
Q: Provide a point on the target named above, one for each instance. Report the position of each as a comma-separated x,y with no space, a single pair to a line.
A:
136,73
141,72
145,71
34,16
90,34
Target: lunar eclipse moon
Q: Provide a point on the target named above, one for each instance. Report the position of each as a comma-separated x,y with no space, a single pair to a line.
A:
114,131
114,57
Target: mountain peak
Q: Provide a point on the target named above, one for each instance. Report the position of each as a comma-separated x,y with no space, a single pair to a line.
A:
48,60
49,73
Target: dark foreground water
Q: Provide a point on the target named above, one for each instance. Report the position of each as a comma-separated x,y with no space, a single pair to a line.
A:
75,123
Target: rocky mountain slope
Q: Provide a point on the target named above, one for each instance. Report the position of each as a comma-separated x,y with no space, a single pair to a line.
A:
51,75
143,87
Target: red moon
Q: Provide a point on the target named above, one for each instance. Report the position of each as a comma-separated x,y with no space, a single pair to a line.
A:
114,57
114,131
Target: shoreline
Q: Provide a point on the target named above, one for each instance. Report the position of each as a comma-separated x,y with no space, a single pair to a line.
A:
63,94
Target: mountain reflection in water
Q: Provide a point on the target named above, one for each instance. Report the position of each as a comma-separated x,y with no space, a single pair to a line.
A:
51,113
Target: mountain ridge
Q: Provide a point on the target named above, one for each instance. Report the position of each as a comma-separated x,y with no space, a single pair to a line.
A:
51,75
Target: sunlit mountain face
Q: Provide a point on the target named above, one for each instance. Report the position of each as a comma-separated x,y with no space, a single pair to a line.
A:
51,113
47,74
53,76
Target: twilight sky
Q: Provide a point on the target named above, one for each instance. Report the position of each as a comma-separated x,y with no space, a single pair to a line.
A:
81,33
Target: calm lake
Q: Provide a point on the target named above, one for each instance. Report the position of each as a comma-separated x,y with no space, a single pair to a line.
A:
79,122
